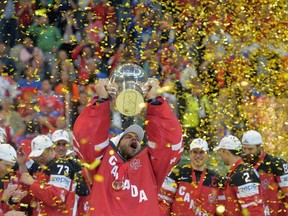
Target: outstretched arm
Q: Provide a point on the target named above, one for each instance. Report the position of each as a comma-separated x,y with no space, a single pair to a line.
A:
91,127
164,134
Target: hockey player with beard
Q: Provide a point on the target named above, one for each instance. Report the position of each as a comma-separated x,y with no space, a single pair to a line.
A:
242,189
129,177
273,173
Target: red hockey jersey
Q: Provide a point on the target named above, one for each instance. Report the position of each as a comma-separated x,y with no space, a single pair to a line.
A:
54,189
143,175
243,193
189,192
274,178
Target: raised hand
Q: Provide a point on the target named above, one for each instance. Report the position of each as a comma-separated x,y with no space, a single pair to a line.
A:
154,90
18,194
8,192
101,89
21,156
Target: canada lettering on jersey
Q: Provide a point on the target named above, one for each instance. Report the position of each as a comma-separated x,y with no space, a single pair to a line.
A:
135,191
187,198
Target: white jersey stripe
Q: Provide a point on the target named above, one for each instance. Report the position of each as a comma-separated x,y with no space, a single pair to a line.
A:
177,146
251,204
102,145
165,198
170,188
151,144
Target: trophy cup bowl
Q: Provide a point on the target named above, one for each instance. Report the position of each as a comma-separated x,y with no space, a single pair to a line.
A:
128,83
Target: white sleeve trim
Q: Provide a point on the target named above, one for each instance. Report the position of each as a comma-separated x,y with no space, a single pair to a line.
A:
173,160
73,137
174,147
166,198
78,152
169,188
102,145
251,204
152,144
177,146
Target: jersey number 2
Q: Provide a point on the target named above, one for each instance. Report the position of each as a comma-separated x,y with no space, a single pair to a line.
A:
247,177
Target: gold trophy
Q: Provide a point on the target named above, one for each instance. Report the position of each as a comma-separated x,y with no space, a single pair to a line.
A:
128,83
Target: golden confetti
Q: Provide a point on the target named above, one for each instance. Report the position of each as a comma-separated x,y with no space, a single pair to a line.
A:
93,165
83,141
98,178
245,212
111,152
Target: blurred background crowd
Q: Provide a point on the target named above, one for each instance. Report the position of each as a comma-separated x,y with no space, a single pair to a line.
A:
223,64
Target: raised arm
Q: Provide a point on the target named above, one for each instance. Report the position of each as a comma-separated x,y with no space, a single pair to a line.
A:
91,127
164,135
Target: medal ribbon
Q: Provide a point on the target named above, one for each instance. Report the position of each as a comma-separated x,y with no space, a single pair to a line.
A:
240,161
260,160
200,183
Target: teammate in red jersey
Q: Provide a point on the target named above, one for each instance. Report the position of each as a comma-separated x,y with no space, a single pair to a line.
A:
273,173
61,142
243,194
129,177
191,189
53,184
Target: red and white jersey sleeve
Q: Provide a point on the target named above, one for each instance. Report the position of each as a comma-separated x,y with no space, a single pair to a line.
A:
164,134
167,195
54,189
280,170
273,173
91,131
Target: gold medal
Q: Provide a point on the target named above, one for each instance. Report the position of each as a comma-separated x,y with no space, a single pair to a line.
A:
117,185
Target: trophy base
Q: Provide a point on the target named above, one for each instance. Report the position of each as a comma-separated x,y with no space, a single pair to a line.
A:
129,102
